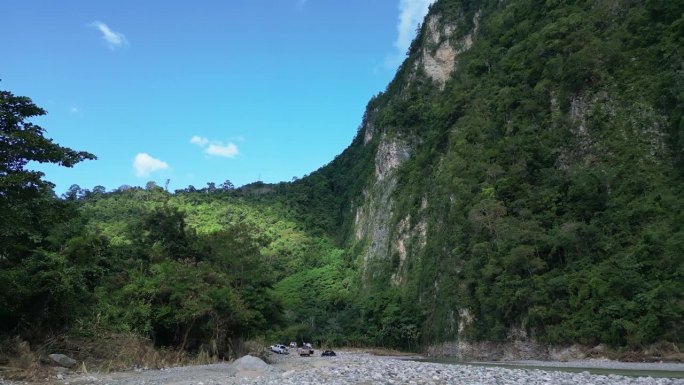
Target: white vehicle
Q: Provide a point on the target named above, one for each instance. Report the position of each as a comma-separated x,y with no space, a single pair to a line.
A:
280,349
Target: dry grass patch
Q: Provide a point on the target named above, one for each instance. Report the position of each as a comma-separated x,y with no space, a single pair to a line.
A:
116,352
19,362
109,352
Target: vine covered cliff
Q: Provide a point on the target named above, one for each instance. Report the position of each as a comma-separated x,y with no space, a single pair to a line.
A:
526,179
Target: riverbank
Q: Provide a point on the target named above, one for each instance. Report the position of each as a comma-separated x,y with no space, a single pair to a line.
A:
604,364
349,368
593,366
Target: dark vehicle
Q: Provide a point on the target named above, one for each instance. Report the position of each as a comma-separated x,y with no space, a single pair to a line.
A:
328,353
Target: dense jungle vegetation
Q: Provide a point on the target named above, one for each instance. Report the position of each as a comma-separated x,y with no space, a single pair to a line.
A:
552,164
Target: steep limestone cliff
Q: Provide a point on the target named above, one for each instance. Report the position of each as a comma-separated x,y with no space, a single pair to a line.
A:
526,166
376,224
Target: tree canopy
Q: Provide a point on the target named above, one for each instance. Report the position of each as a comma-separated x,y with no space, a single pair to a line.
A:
23,192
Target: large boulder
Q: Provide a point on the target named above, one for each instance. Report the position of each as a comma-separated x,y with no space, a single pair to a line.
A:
251,364
62,360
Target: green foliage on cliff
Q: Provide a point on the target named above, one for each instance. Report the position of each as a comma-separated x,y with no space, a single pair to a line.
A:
551,167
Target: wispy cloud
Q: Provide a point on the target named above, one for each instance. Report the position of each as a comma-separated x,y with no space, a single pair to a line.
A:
229,150
144,164
411,13
216,148
112,38
198,140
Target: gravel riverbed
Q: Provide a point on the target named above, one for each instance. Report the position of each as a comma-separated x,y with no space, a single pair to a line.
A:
350,368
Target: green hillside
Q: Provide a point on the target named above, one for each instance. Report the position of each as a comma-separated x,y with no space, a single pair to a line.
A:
545,174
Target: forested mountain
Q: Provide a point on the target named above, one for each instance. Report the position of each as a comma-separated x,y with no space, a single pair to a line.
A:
528,176
520,179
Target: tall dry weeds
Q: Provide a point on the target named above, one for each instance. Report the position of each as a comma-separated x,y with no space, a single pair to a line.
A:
19,361
109,352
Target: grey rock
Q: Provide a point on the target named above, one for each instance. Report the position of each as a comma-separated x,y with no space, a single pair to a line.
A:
574,352
250,363
62,360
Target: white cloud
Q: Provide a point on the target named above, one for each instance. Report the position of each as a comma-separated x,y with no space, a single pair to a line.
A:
144,164
230,150
411,13
112,38
216,148
199,140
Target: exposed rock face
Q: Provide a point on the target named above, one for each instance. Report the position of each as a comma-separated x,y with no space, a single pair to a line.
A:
368,126
372,219
439,66
465,318
374,216
368,131
408,237
375,223
489,351
505,351
517,347
391,153
400,248
574,352
438,56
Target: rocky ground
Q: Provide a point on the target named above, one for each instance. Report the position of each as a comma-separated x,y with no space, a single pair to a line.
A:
348,368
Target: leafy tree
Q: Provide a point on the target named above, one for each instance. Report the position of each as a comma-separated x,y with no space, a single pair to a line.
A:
74,192
162,234
38,288
227,185
99,190
24,195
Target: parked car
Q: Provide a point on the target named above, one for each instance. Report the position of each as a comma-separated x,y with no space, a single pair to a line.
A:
305,352
280,349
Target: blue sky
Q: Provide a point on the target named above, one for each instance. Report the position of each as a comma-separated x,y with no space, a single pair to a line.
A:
201,91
